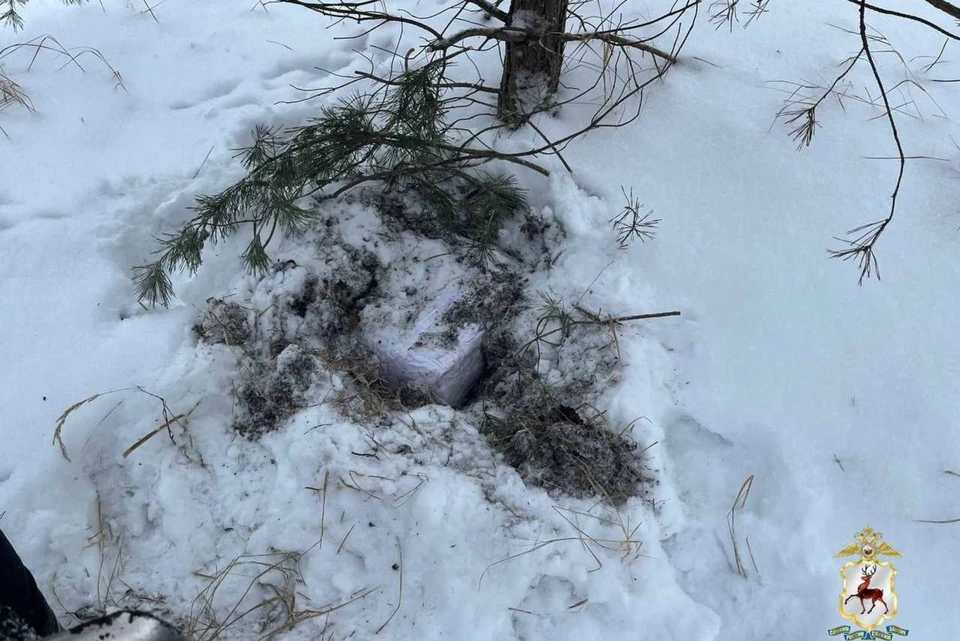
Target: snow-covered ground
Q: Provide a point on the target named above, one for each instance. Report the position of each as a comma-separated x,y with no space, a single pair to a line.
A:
840,400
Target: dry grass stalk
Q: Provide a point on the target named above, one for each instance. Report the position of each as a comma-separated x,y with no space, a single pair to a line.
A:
51,44
12,94
628,545
168,418
279,575
323,507
738,504
58,432
942,522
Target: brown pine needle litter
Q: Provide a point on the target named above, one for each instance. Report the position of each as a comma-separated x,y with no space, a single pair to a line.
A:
279,573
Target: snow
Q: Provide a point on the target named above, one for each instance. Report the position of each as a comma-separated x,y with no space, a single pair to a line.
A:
839,400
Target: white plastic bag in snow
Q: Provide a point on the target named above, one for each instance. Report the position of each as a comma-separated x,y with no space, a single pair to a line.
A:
409,356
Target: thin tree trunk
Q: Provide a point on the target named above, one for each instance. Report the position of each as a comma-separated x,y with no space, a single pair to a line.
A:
531,68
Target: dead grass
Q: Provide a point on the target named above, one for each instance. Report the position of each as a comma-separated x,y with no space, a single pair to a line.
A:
564,448
113,592
399,590
740,503
366,396
168,419
269,585
12,94
628,547
61,421
70,57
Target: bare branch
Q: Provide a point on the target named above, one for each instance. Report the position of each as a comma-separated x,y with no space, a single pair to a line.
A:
357,11
513,34
946,7
906,16
862,247
491,10
501,34
619,41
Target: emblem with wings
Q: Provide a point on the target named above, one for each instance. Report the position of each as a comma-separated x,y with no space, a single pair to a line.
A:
868,598
868,546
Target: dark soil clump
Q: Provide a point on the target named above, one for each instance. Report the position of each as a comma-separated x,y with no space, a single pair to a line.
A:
224,323
553,447
274,395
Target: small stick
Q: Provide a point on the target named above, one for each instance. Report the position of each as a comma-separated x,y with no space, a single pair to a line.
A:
623,319
596,318
836,460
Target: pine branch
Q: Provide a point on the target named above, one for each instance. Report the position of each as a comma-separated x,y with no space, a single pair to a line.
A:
399,136
12,18
802,112
396,137
152,284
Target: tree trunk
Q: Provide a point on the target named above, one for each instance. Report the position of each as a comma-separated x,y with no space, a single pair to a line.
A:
531,68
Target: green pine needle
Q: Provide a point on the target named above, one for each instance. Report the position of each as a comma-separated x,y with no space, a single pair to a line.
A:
255,257
12,18
153,284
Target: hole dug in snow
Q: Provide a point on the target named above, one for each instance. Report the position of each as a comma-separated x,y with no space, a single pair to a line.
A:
339,326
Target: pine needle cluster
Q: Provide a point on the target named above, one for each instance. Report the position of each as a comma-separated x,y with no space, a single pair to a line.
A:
394,136
10,16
